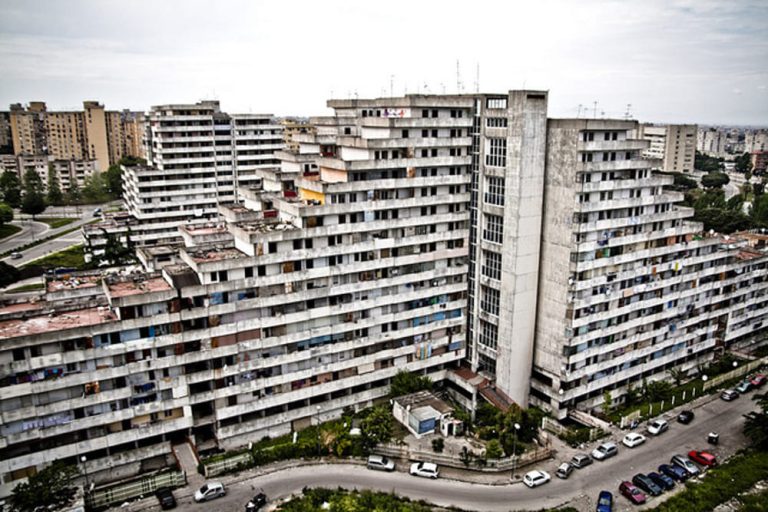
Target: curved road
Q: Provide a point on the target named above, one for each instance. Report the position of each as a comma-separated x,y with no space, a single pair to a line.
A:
581,488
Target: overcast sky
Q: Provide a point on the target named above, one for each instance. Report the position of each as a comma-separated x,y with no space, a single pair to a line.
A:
698,61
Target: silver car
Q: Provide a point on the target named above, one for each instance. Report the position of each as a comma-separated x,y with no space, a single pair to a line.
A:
683,462
605,451
380,463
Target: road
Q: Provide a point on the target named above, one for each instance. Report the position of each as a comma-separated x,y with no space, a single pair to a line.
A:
580,489
51,246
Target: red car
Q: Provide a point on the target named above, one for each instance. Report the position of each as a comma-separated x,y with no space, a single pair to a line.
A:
632,493
758,380
703,458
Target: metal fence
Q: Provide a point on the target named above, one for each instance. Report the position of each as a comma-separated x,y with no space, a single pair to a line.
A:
733,374
118,493
225,465
490,465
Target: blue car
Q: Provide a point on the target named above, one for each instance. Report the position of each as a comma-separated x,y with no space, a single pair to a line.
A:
663,481
674,472
604,502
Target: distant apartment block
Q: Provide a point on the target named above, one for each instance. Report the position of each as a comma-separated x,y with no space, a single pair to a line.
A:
68,172
6,139
88,134
755,140
674,145
759,160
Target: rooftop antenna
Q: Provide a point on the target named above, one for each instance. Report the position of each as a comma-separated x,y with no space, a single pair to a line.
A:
628,113
578,110
594,112
391,85
602,114
442,86
477,78
458,78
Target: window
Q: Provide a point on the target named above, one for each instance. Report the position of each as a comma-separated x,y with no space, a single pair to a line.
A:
494,229
489,334
489,302
494,192
588,136
496,103
491,266
496,122
496,152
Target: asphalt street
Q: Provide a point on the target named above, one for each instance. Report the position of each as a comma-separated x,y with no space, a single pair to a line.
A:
580,489
36,231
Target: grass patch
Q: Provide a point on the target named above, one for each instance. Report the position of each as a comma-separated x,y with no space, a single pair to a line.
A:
72,257
27,288
321,499
56,222
735,477
7,230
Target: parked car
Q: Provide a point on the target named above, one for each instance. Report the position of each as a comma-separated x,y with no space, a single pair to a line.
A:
632,439
666,483
97,212
685,417
646,484
632,493
165,497
729,394
604,502
744,386
16,255
536,478
255,503
425,469
758,380
674,471
210,491
703,458
658,427
605,451
686,464
380,463
564,470
581,460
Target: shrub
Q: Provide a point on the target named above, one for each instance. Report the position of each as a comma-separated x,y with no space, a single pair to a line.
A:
438,445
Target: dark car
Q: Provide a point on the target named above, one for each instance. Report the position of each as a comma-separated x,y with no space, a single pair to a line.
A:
604,502
663,481
165,497
256,502
674,471
646,484
685,417
632,493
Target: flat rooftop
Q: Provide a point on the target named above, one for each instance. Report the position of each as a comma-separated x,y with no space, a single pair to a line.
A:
137,286
73,283
260,226
204,229
206,255
55,322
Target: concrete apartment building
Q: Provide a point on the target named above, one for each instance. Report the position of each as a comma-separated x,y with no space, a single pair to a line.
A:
298,304
712,141
90,134
197,155
68,172
629,287
410,233
755,140
6,139
673,144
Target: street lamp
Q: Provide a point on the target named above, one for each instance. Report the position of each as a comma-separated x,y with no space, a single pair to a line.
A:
84,459
514,450
317,424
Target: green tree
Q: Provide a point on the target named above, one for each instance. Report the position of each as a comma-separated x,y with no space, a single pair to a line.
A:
94,189
405,382
8,274
706,163
6,214
677,375
377,427
756,426
658,390
493,449
683,183
33,202
722,220
115,252
74,195
11,188
744,163
715,180
50,489
114,179
607,401
55,197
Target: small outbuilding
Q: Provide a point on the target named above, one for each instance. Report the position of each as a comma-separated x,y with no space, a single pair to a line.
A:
422,413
